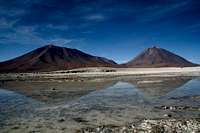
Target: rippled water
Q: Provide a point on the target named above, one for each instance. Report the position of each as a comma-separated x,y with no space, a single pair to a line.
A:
108,102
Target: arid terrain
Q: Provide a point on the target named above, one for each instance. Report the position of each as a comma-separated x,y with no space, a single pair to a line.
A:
101,100
101,72
99,66
57,89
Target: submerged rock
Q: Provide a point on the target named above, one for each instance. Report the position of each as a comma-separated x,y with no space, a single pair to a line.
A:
61,120
168,115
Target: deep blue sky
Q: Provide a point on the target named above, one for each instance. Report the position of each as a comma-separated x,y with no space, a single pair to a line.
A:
116,29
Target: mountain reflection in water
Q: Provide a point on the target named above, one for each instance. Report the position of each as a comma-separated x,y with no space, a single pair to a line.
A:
110,101
156,87
56,92
127,91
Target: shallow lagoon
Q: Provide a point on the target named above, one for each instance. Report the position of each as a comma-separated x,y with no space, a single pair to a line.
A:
69,106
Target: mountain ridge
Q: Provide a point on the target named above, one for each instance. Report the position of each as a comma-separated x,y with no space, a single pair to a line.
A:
51,57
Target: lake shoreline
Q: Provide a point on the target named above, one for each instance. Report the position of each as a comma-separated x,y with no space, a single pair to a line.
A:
84,74
113,101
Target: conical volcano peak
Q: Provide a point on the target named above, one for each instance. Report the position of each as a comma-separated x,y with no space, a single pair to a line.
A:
158,57
151,51
50,45
57,47
154,48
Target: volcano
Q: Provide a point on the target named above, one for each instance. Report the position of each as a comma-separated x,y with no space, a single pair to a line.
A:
158,57
51,58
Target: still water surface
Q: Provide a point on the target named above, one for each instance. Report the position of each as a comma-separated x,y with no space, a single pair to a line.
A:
107,102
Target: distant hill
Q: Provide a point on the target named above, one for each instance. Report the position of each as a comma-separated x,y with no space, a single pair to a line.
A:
158,57
50,58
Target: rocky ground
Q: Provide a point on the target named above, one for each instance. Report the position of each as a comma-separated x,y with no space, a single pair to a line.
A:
150,126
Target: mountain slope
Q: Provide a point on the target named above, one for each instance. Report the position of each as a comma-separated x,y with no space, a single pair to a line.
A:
158,57
50,58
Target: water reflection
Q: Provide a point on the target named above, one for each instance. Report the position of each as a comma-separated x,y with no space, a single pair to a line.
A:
116,100
131,93
134,91
156,87
119,95
192,88
15,105
56,92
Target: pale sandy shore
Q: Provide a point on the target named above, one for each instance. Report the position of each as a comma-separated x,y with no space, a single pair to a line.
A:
102,72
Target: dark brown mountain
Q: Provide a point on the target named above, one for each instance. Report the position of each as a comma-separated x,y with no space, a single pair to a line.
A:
158,57
50,58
